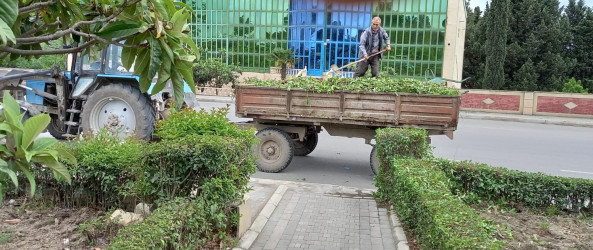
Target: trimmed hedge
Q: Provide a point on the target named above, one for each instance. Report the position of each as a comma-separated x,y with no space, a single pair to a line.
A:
181,224
421,194
175,168
535,190
423,200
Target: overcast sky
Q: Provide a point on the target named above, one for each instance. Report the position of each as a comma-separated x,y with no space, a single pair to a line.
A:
482,3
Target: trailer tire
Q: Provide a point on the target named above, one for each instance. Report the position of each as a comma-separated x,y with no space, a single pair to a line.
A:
307,145
121,108
274,151
375,163
54,130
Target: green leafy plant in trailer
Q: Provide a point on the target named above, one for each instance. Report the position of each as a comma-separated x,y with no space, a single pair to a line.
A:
20,152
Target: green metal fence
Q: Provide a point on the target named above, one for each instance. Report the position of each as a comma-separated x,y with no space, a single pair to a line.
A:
242,32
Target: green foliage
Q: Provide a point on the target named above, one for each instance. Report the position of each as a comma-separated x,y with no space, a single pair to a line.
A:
526,77
21,153
104,168
574,86
200,152
155,31
214,73
100,178
196,144
535,190
422,198
580,19
175,168
421,195
8,13
181,224
543,48
360,84
190,122
39,62
403,143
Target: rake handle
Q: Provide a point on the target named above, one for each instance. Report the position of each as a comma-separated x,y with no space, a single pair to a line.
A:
357,61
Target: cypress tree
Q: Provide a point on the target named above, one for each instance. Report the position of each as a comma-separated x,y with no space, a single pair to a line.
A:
474,54
497,21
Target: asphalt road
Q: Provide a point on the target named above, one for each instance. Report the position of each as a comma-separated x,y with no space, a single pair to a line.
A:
552,149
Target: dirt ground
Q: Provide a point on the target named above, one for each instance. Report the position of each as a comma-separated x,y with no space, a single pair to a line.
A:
44,229
526,230
57,229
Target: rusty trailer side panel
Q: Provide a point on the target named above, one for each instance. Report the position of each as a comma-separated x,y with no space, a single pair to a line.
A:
348,108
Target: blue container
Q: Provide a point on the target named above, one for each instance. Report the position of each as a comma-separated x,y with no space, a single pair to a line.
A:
32,97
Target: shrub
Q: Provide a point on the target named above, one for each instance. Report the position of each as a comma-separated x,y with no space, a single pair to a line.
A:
214,73
199,152
102,176
181,224
175,168
574,86
421,195
535,190
190,122
422,198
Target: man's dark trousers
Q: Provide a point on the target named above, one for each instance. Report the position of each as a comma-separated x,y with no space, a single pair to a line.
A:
364,66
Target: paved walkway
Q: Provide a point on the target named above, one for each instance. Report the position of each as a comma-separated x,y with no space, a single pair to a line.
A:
319,216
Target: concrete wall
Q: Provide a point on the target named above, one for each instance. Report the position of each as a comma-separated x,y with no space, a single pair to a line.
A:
529,103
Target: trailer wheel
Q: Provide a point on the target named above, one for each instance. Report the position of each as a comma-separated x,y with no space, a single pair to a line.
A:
375,164
307,145
274,151
55,129
120,108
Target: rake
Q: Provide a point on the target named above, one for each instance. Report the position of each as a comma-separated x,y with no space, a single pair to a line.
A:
335,69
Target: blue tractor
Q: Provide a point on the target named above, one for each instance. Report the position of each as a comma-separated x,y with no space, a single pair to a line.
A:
90,96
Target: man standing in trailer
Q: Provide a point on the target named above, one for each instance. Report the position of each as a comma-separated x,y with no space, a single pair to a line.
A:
371,41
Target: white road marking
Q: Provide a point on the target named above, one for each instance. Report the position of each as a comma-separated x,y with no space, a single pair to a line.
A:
577,172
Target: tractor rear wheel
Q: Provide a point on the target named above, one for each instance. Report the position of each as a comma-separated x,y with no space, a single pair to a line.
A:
375,164
307,145
274,151
120,108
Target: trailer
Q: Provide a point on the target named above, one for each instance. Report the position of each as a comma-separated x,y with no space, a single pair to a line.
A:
289,121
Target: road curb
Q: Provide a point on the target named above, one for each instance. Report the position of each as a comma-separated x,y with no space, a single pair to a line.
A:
222,99
262,219
399,235
553,120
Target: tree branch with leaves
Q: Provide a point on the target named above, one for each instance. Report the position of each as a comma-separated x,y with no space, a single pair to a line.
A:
156,34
